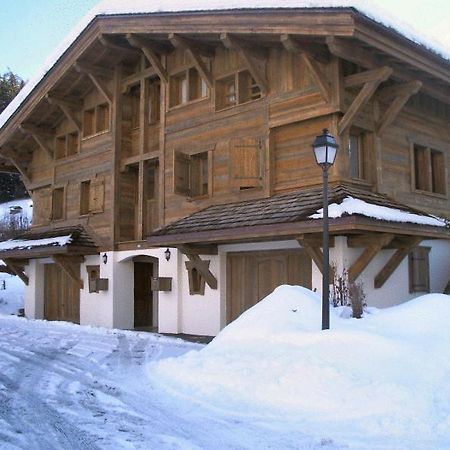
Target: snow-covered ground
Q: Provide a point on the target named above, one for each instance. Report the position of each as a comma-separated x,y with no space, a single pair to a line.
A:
11,293
270,380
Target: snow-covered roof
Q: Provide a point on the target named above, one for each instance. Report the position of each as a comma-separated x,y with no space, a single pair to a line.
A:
350,206
20,244
123,7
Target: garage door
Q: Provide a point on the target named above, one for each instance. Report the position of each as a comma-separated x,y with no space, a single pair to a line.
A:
61,295
253,275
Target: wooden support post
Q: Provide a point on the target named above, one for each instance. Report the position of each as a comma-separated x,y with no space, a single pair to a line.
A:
312,247
249,57
395,260
16,269
314,69
367,255
66,263
150,54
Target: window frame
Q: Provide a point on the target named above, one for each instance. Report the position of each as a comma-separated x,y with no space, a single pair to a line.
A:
185,98
62,208
363,138
65,138
95,112
419,263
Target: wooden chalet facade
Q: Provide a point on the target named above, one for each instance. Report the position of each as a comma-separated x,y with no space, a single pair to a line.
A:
192,131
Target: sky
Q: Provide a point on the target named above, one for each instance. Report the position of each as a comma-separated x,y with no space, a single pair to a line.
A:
31,29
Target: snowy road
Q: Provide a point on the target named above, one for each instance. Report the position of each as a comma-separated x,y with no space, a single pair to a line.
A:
68,387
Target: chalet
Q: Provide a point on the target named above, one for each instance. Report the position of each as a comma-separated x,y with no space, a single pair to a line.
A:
168,155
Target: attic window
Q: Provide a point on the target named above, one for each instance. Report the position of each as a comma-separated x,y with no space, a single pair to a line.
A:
96,120
235,89
186,86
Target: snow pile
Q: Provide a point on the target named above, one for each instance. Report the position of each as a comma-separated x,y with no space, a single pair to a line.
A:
352,205
18,211
11,293
30,243
110,7
385,375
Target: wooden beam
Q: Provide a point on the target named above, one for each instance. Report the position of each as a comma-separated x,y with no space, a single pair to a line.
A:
201,266
248,56
97,81
150,54
367,76
38,138
395,260
350,51
396,106
16,269
367,256
312,247
67,264
180,42
98,71
362,98
109,43
66,109
316,72
209,249
12,156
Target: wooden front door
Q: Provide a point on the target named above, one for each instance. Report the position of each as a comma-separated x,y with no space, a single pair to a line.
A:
61,295
143,295
251,276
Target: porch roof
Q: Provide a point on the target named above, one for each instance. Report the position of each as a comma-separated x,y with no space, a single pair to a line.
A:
289,215
73,240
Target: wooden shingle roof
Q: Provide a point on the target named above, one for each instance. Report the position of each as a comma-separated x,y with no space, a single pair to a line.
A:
276,213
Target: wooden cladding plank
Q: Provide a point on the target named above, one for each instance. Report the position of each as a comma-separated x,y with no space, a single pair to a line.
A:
246,162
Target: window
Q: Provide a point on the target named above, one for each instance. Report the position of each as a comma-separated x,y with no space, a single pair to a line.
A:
429,170
96,120
235,89
135,100
92,196
419,270
186,86
58,204
246,156
66,145
358,154
191,174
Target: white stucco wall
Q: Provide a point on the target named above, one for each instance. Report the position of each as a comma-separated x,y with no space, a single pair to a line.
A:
33,294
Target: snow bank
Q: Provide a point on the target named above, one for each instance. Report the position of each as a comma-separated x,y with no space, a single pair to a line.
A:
384,375
110,7
352,205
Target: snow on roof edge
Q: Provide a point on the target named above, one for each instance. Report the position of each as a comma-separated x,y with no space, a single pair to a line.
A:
117,7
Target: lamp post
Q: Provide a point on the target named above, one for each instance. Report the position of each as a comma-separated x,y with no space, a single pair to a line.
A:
325,149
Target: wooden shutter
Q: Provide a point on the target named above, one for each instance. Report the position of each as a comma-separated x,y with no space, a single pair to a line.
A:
246,157
182,164
42,206
97,195
419,270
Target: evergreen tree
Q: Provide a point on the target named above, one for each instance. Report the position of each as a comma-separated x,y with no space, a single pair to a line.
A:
11,187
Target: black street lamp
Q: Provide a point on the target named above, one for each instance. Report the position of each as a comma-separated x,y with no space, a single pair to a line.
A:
325,149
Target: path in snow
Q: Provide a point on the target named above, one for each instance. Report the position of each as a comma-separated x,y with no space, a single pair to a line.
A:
68,387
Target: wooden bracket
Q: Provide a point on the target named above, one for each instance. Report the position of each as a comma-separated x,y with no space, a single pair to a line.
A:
249,56
313,249
316,72
67,264
202,266
16,269
150,54
12,156
38,138
181,42
66,108
97,77
401,95
379,241
395,260
374,79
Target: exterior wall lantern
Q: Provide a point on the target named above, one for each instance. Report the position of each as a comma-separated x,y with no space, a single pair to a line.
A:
105,258
167,254
325,149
